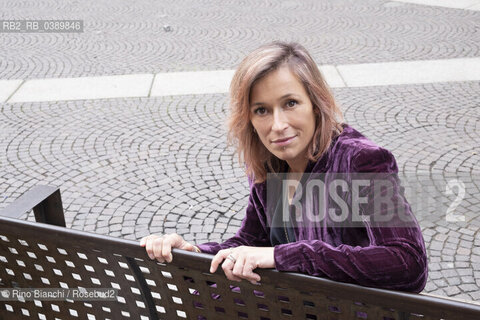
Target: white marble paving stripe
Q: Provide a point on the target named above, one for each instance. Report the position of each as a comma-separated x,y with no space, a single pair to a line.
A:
455,4
199,82
7,87
332,76
203,82
57,89
410,72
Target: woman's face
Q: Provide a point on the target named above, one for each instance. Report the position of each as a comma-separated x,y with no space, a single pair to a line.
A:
282,114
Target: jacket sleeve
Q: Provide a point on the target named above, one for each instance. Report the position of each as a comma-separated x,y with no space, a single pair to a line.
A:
394,259
252,231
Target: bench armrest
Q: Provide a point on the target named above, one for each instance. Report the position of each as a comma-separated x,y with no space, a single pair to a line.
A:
45,201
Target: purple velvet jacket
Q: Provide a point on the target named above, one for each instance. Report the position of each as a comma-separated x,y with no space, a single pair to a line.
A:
390,258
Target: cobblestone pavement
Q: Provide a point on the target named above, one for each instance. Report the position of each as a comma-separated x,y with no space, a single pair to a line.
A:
130,167
123,37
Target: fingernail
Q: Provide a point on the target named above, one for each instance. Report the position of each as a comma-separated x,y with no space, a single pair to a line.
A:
170,258
151,256
142,242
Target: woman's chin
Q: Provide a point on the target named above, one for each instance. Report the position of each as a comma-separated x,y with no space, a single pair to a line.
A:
285,156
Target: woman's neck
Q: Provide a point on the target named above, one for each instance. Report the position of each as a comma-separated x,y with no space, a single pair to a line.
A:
297,167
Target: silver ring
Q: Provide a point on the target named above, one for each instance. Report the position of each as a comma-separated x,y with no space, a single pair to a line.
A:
231,258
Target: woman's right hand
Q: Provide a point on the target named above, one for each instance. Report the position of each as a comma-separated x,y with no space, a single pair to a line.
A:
160,247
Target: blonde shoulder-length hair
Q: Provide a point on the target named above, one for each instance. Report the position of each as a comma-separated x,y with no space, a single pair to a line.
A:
328,116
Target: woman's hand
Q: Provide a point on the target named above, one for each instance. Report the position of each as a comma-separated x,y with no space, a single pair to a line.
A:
160,247
239,263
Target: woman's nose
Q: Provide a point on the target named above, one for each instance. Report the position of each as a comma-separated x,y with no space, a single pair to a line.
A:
280,121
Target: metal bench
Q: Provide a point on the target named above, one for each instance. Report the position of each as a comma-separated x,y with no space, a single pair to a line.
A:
48,255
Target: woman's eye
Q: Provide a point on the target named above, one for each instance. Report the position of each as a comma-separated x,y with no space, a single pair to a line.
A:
260,110
291,103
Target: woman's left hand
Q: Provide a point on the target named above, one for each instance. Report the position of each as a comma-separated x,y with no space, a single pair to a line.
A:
239,263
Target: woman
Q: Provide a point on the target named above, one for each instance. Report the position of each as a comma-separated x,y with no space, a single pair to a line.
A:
284,119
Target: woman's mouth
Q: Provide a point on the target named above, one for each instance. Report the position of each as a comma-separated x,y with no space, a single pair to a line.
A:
284,141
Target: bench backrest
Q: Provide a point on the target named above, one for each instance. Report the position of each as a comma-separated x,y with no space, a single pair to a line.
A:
38,255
